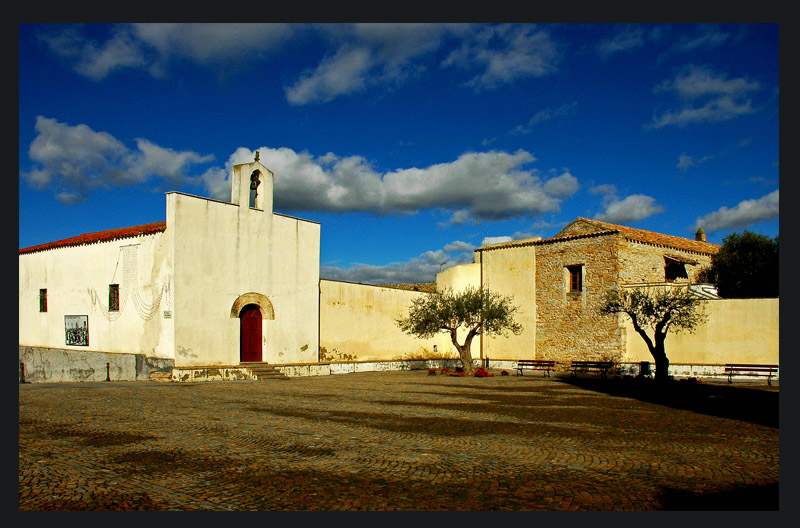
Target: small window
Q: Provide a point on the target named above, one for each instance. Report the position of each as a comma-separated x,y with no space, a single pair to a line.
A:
674,269
43,300
575,278
113,297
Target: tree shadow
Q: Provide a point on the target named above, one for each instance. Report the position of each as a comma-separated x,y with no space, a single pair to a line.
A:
749,404
746,498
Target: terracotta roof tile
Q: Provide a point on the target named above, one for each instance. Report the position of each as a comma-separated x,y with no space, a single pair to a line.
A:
658,239
100,236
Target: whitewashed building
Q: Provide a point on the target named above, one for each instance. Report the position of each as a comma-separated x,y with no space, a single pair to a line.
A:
216,284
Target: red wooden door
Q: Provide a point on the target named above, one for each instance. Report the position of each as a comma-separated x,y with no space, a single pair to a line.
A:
250,333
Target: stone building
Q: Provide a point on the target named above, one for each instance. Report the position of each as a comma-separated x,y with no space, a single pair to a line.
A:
559,282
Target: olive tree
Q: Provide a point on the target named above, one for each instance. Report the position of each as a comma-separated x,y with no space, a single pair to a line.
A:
659,310
475,310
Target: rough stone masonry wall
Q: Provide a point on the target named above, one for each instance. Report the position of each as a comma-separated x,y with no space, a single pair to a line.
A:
569,325
644,263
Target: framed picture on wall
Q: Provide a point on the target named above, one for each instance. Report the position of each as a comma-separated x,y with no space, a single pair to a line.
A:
77,329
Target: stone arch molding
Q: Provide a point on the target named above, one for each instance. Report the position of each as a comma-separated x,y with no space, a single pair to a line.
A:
267,312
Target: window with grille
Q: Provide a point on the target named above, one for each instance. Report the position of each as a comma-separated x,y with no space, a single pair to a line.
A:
113,297
575,279
43,300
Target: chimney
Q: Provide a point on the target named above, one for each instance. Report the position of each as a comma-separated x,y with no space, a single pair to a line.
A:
700,235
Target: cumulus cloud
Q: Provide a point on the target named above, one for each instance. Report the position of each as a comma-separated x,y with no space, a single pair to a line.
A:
76,160
630,209
420,269
707,97
476,186
742,215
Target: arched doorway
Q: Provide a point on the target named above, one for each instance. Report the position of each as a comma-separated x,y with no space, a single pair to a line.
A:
250,333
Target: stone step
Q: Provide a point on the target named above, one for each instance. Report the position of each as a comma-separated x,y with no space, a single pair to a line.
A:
161,376
263,371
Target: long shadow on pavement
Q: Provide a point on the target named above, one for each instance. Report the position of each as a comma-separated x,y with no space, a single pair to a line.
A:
746,498
754,405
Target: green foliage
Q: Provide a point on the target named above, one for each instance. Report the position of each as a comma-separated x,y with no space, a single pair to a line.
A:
746,266
659,309
473,309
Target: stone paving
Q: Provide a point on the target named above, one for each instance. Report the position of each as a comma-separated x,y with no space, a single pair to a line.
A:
384,441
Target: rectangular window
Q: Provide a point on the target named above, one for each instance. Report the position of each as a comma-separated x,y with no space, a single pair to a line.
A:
113,297
43,300
575,279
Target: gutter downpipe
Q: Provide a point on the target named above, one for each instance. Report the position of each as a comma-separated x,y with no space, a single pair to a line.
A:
481,286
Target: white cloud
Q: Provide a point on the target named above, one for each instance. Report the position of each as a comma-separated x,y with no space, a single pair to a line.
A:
708,37
96,60
742,215
476,186
506,53
547,114
342,74
686,162
76,160
630,209
366,55
205,43
495,240
709,97
630,37
457,246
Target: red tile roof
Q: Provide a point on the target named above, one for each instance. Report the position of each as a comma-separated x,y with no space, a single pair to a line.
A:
100,236
639,235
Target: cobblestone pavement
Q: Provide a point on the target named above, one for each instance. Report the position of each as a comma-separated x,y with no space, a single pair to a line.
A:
382,441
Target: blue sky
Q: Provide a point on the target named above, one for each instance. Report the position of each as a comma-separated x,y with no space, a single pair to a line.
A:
410,144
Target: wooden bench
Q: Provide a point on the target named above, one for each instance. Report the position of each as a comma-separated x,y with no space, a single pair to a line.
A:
591,366
732,369
536,364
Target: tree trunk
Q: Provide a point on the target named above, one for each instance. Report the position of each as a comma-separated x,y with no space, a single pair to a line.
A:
662,361
464,353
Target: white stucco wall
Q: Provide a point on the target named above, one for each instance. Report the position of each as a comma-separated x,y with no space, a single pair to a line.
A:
77,280
358,324
223,251
512,272
737,331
